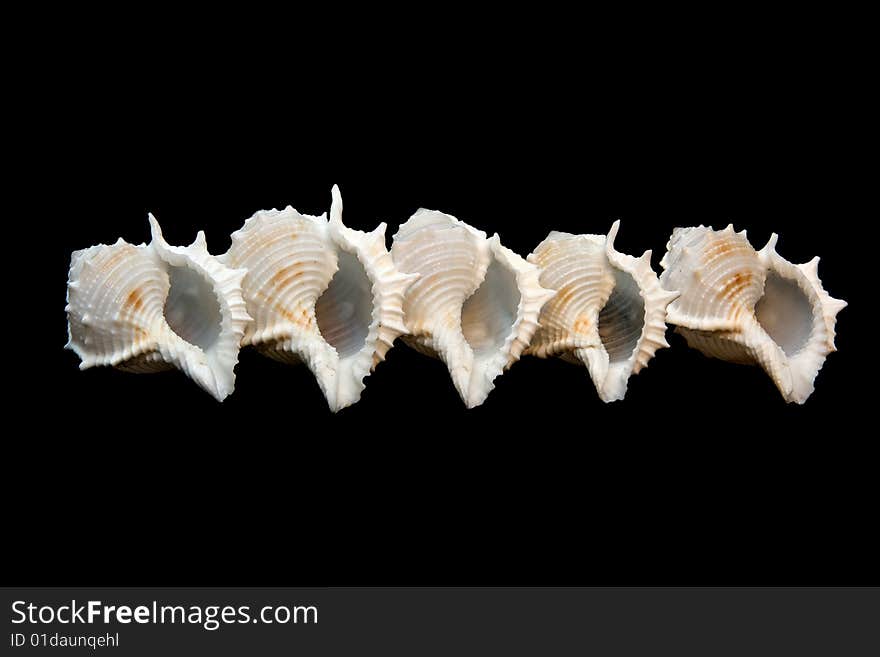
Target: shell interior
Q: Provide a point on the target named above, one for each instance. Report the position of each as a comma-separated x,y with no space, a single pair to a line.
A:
344,311
622,318
191,309
785,313
488,315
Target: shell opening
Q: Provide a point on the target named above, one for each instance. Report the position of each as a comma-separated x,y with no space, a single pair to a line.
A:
344,311
785,313
191,308
489,313
622,318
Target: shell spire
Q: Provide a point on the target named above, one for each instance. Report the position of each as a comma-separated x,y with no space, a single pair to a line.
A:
609,312
751,307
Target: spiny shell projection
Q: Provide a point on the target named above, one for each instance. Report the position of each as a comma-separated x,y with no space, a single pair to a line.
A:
609,312
476,303
152,307
320,293
748,306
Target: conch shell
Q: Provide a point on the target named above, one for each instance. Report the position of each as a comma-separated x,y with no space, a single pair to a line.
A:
154,307
609,312
320,293
476,303
748,306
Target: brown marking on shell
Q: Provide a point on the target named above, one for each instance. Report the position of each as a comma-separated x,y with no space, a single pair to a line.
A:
565,294
736,284
113,260
134,301
286,275
720,247
582,324
275,237
546,254
301,318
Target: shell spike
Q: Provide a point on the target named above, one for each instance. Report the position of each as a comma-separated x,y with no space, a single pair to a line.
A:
612,234
811,267
770,247
155,230
376,237
336,206
200,242
836,305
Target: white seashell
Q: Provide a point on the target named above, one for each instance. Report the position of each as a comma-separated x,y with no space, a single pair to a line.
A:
320,293
609,312
148,308
748,306
476,303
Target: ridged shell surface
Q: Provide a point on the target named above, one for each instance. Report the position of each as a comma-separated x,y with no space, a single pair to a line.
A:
746,306
609,312
475,304
151,307
320,293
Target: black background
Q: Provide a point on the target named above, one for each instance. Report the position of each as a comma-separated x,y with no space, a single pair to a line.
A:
703,475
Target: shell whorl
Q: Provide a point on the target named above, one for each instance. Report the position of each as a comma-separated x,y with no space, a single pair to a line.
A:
722,274
115,297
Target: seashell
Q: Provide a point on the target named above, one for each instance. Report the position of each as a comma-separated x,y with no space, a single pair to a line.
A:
320,293
748,306
476,303
154,307
609,312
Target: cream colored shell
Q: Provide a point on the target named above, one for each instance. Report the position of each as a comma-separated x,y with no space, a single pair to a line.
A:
476,303
746,306
609,312
320,293
302,288
152,307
